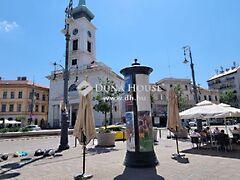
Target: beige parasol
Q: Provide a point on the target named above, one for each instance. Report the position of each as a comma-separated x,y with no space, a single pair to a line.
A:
85,126
174,120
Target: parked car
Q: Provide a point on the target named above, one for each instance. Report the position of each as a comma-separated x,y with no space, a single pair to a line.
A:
192,124
231,122
120,131
204,123
33,128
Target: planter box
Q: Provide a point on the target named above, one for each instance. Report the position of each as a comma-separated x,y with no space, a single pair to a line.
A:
106,139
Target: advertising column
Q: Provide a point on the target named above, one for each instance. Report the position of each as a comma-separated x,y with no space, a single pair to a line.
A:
140,151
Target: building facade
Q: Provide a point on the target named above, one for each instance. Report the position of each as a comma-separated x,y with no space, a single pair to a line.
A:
160,98
22,99
227,80
83,63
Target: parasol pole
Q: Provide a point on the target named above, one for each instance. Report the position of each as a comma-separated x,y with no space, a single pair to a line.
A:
176,137
211,138
83,175
225,123
84,144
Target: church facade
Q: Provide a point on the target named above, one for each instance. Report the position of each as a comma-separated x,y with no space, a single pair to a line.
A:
82,64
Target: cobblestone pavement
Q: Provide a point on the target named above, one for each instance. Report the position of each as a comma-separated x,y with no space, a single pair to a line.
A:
107,164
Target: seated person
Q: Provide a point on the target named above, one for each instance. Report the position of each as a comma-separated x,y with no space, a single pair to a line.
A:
235,131
216,131
195,134
203,134
208,131
236,134
195,138
222,139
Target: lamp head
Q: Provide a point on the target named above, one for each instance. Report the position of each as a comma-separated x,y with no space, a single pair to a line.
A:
185,61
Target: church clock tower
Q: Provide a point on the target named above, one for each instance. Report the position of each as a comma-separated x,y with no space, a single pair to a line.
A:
83,40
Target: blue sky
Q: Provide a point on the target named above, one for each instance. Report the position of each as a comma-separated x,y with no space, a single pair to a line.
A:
152,31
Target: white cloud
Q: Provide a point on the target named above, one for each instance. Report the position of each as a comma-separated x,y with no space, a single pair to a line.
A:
8,26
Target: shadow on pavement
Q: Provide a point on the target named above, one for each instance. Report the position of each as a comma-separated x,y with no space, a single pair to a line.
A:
181,159
139,174
16,165
100,150
9,175
10,166
213,152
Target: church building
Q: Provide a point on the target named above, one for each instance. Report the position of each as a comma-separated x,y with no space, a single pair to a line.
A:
82,63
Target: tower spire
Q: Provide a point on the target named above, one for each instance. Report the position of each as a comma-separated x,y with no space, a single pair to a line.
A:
82,11
82,3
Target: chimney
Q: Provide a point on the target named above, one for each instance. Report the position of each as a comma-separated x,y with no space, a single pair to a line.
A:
221,71
24,78
234,64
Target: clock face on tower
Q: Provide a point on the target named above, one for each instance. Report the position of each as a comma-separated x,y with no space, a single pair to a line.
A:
75,31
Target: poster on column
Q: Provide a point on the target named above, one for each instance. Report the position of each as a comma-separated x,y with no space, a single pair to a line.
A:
128,93
144,113
130,133
145,131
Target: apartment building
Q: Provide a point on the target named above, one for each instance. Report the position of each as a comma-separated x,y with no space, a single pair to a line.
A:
23,99
228,79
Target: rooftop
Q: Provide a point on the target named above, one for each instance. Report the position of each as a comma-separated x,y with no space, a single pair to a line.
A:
173,80
21,82
225,73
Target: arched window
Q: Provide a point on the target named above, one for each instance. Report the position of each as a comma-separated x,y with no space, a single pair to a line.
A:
73,87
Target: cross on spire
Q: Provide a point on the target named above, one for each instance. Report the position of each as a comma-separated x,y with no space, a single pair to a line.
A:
81,2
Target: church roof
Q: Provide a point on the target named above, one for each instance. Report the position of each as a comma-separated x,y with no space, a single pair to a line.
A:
82,11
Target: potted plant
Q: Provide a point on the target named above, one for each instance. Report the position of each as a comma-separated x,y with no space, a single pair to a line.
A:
103,104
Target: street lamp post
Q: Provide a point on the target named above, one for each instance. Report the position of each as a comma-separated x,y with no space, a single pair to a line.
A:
187,49
65,107
64,111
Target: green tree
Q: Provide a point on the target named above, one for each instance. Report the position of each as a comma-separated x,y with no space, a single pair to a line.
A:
228,97
20,118
105,97
180,96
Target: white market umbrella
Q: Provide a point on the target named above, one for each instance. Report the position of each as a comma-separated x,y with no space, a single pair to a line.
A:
230,112
203,110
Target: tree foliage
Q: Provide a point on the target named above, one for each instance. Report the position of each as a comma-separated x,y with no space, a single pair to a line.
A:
104,98
180,96
228,97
